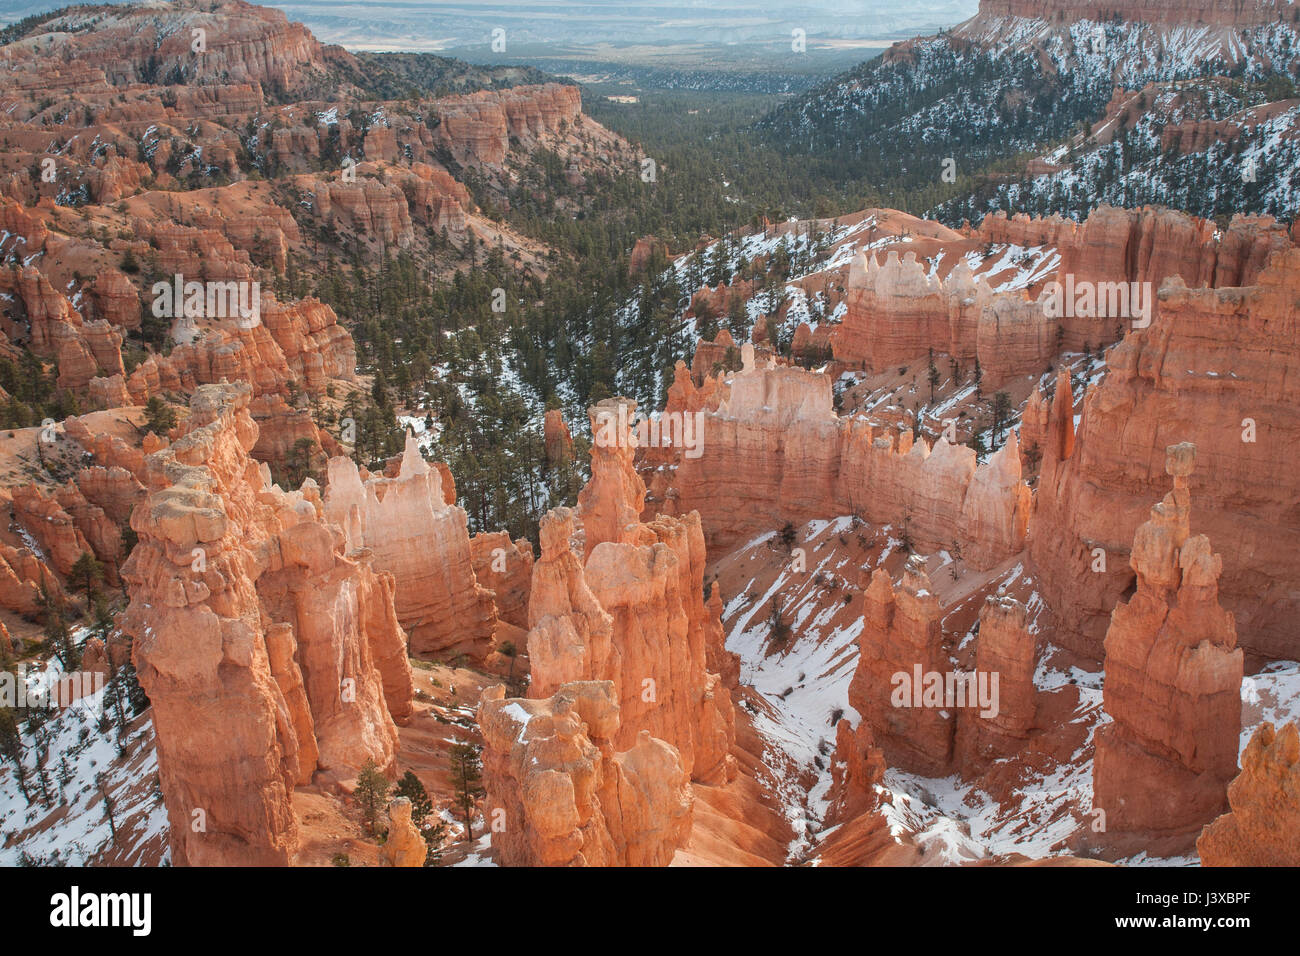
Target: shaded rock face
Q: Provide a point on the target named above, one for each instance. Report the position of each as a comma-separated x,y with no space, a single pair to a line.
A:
1173,681
1211,369
901,631
556,439
298,343
477,127
257,640
45,319
506,568
58,535
1260,829
21,574
424,543
857,767
775,452
1008,649
367,206
288,439
917,711
560,793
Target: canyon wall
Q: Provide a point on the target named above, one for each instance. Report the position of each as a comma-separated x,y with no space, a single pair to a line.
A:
477,127
898,310
1212,369
776,452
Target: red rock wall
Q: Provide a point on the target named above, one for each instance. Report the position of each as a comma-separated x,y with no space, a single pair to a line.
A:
775,452
1210,360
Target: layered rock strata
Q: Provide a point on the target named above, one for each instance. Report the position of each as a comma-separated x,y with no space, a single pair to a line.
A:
1211,369
775,452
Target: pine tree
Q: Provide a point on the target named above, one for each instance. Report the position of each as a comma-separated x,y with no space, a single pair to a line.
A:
88,572
431,828
465,776
371,793
57,633
411,788
159,416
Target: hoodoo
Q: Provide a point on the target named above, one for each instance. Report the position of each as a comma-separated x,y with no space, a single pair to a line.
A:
1173,681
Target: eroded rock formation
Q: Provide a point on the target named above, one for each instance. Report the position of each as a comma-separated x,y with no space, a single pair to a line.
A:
256,637
775,452
1260,828
901,635
1173,681
1006,648
1212,369
566,796
424,542
403,846
635,614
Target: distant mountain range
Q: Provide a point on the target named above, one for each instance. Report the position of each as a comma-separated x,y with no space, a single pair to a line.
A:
1021,78
440,24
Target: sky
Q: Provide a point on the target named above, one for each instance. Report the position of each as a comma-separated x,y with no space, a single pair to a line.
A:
435,24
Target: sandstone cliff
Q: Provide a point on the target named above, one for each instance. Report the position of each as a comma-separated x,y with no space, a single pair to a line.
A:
775,452
1211,369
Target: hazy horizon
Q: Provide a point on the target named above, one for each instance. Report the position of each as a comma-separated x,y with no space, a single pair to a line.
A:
443,24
